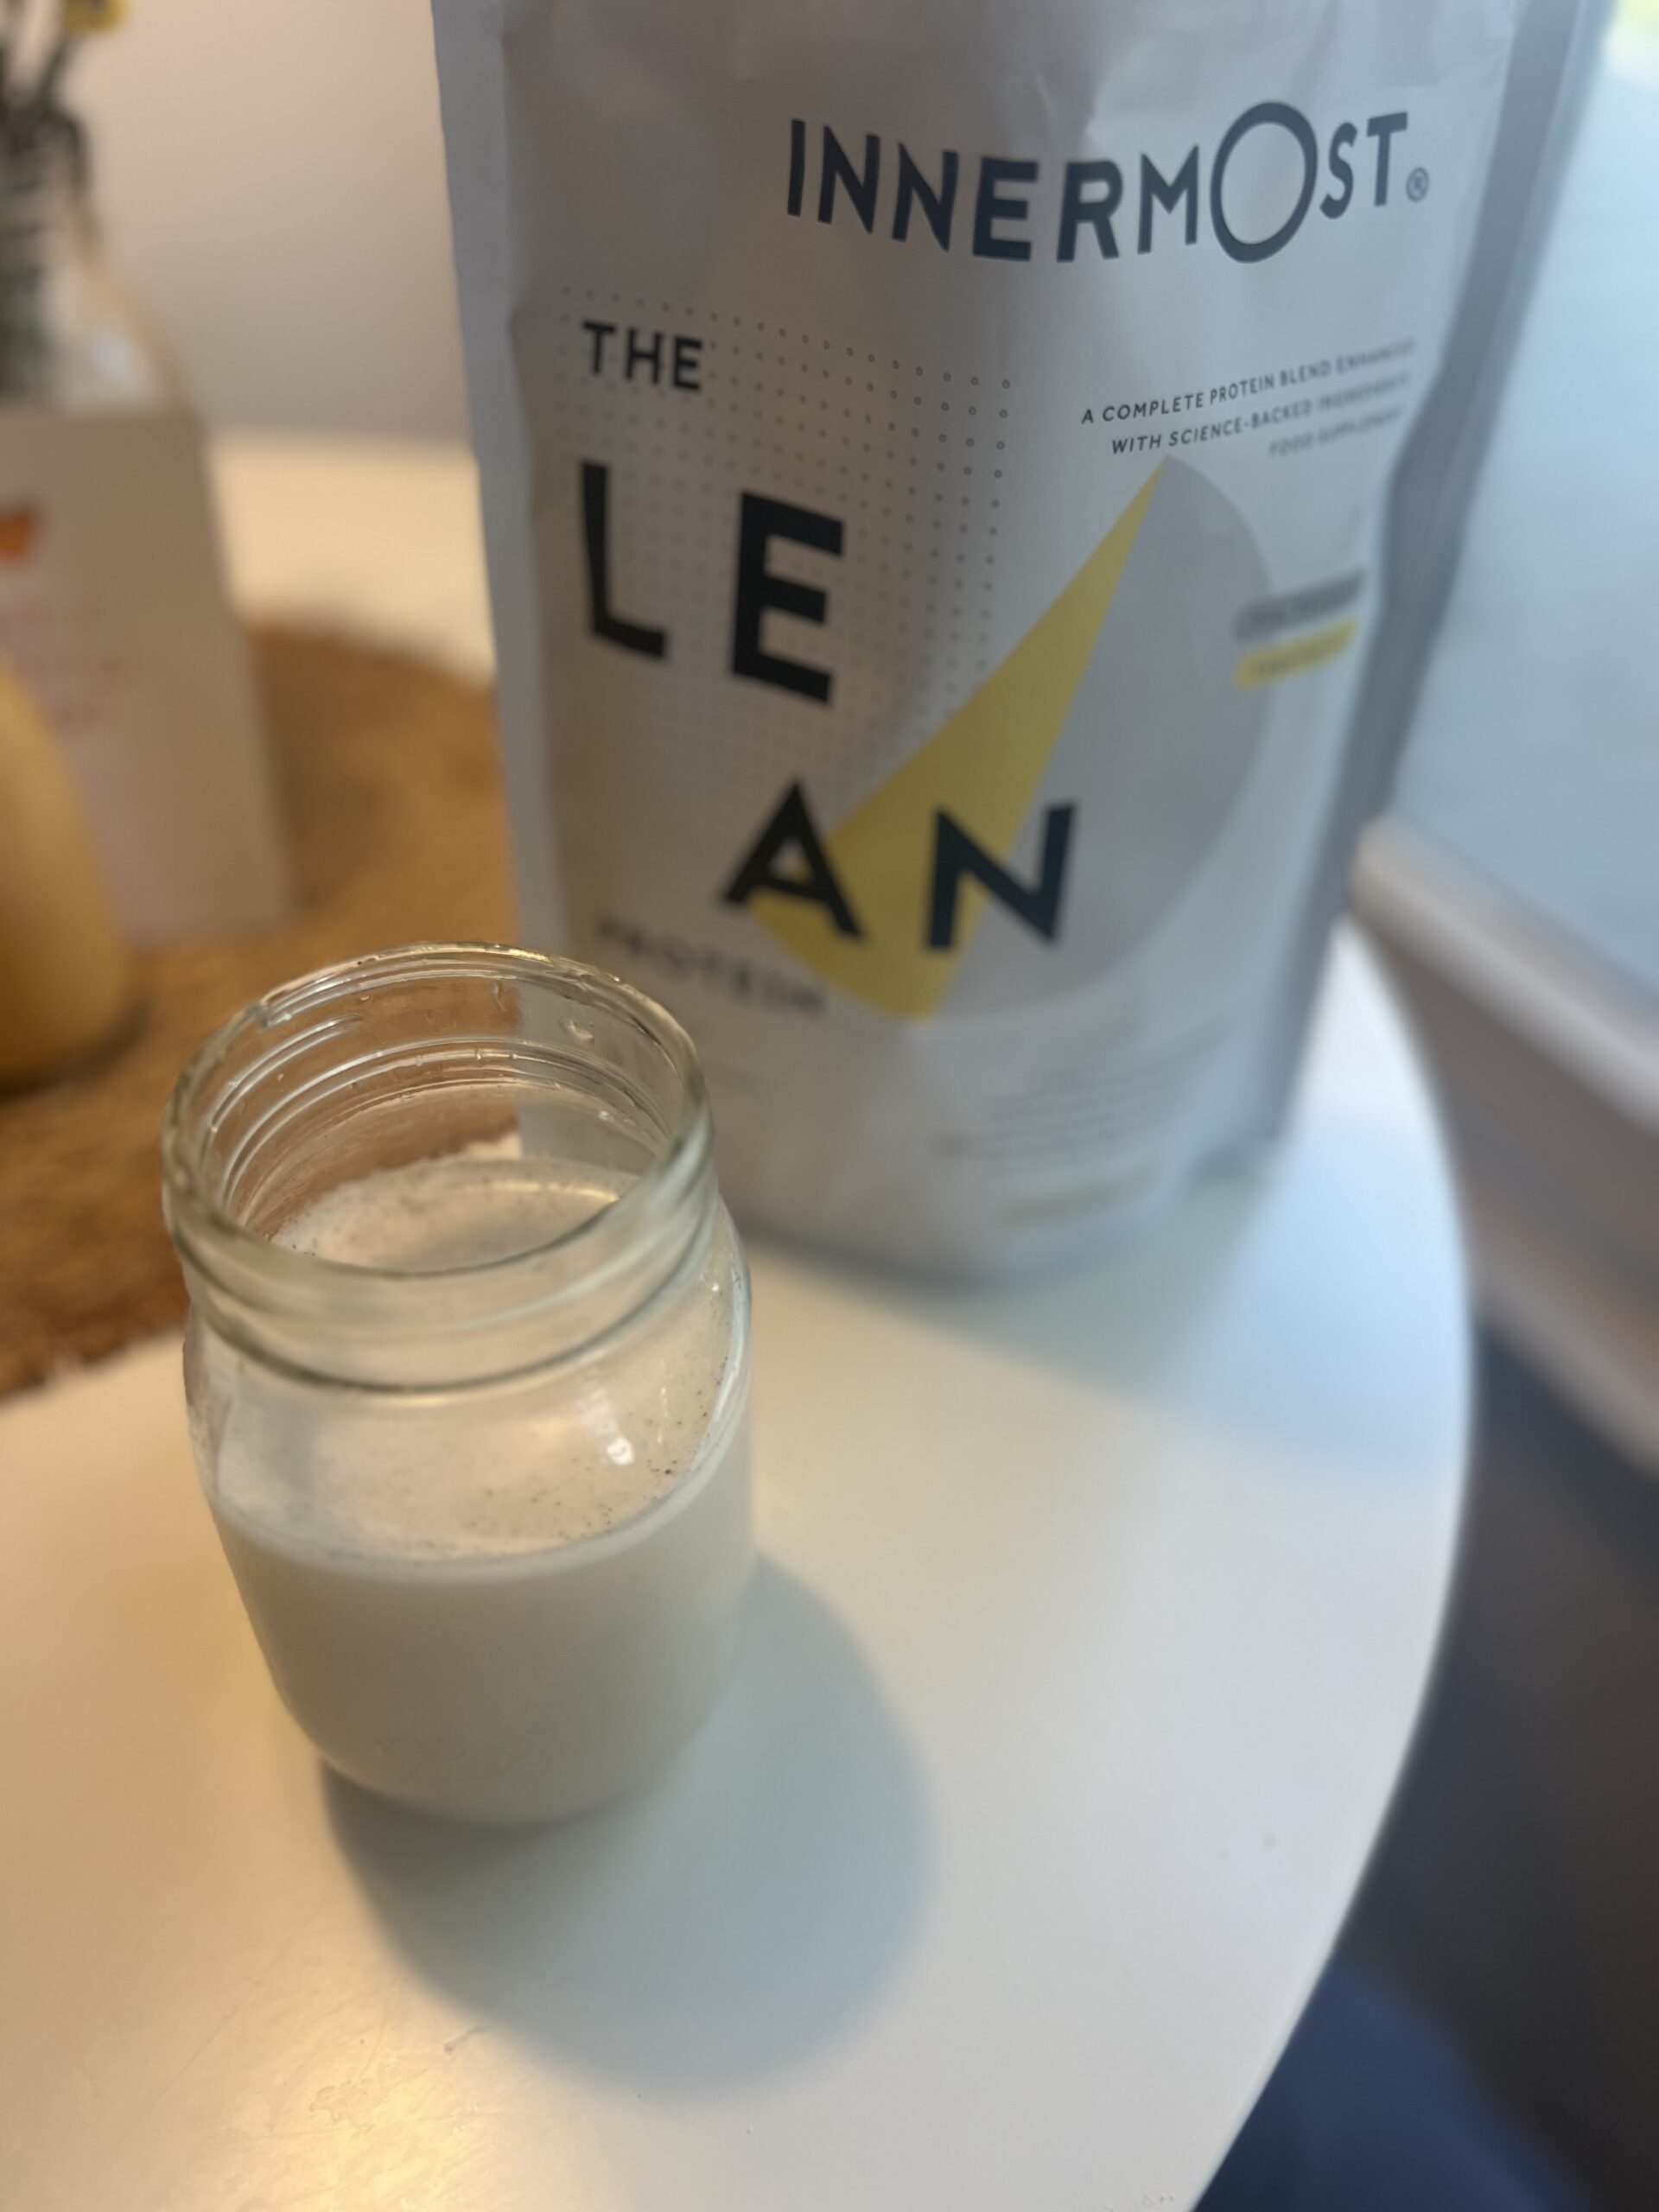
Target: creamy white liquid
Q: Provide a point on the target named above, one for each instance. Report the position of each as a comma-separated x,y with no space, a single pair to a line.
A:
506,1603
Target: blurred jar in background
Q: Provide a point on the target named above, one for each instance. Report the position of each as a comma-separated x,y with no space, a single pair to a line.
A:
65,338
69,335
115,626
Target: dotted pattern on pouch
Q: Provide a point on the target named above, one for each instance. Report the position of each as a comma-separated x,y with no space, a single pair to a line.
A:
911,455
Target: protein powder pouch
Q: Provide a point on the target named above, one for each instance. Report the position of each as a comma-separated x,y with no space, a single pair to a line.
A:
962,485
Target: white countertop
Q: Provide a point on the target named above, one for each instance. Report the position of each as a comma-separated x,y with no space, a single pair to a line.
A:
1094,1624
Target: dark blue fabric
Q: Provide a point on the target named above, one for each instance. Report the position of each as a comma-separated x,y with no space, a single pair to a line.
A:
1370,2111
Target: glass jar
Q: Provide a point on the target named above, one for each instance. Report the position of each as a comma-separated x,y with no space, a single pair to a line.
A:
114,624
68,339
467,1370
71,336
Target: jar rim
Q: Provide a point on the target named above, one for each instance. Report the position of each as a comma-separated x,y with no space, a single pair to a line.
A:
257,1270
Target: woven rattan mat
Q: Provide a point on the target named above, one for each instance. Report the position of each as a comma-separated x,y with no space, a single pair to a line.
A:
388,774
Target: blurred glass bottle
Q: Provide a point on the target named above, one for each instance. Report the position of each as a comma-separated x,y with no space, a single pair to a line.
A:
70,335
115,623
68,340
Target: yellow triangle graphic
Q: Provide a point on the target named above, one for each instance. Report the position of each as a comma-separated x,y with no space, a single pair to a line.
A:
984,767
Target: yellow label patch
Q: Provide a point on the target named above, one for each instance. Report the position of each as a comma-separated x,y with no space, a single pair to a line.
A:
1292,656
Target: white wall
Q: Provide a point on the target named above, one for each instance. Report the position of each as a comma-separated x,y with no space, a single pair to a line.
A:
271,178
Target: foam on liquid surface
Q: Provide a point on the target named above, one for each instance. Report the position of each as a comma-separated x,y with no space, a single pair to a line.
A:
492,1472
463,1211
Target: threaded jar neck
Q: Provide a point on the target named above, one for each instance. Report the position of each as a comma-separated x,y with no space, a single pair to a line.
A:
420,1055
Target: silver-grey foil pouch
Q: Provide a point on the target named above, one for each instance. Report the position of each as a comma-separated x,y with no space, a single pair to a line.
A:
966,490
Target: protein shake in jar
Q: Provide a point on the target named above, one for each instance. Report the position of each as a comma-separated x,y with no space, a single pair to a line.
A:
467,1369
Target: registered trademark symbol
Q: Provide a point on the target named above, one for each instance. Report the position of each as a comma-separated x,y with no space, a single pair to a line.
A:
1417,185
